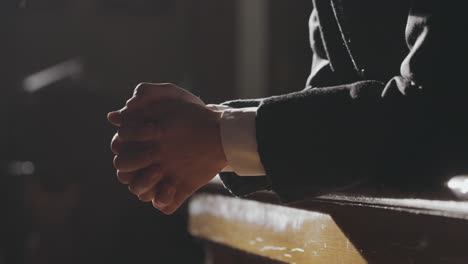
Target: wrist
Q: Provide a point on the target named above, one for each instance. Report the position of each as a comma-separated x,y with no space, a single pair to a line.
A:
237,130
221,158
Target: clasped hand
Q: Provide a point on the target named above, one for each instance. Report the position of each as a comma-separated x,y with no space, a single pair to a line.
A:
167,145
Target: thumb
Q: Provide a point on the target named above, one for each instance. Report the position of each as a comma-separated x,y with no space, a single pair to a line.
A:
150,93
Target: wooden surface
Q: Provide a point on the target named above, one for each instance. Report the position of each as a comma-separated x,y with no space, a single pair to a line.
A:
360,228
277,232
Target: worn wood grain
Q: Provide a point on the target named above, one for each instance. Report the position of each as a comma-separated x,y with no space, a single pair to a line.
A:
280,233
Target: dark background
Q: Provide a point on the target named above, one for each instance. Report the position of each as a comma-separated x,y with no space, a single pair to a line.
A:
60,201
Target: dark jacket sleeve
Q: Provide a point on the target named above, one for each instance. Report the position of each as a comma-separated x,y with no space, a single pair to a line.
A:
404,134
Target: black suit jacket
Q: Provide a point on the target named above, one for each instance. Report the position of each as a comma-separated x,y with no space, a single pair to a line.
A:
388,107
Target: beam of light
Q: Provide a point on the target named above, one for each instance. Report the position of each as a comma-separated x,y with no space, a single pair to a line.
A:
41,79
22,168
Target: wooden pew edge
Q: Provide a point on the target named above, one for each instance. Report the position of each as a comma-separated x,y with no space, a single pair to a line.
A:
413,205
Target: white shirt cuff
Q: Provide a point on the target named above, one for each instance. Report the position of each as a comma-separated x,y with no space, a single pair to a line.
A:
238,135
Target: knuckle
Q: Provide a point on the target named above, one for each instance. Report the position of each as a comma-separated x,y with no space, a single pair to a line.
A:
126,115
140,185
167,84
146,197
119,162
167,211
130,189
133,188
155,204
115,137
115,146
141,88
120,179
124,178
116,161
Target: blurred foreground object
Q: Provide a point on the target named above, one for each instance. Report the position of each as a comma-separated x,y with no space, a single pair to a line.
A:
459,186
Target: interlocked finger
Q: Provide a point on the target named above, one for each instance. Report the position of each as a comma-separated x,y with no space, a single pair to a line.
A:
164,195
146,180
141,132
176,198
136,160
116,144
149,195
125,177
